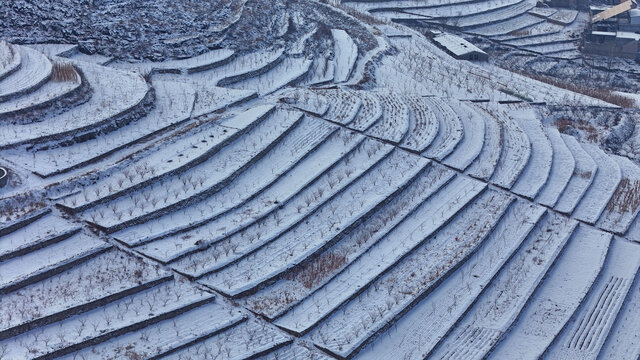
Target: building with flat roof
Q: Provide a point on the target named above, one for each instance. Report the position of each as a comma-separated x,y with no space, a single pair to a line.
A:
612,43
460,48
614,31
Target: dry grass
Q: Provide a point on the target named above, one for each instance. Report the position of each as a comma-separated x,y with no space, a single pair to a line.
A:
64,72
584,174
598,93
626,198
565,125
520,32
19,206
313,272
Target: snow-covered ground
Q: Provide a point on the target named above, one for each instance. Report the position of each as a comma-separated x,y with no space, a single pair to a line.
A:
343,192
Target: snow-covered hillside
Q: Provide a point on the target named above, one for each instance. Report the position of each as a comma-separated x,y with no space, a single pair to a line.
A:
344,189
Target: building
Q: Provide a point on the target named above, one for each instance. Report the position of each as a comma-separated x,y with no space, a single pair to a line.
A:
610,18
608,43
459,48
614,31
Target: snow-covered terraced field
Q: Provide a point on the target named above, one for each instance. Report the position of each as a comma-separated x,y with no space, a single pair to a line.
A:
35,69
314,198
10,59
90,299
51,91
198,63
106,106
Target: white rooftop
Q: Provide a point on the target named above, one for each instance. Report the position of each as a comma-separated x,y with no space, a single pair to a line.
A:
603,33
456,45
628,35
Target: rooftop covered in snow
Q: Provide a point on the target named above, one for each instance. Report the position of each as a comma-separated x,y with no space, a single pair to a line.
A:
459,47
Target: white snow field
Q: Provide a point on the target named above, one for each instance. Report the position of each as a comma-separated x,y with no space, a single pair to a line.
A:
350,192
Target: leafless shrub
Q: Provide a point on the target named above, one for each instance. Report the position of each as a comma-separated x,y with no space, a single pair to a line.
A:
312,273
595,92
63,72
626,198
565,125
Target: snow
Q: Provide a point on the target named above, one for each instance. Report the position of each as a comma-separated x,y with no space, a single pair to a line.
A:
344,106
35,70
180,154
96,59
9,59
623,206
173,105
602,188
241,67
284,73
47,93
305,100
48,229
280,297
419,273
543,11
536,174
394,124
295,352
486,162
297,48
267,224
370,112
516,150
501,302
402,73
25,269
562,167
584,335
322,71
353,194
52,49
106,103
23,216
498,15
548,35
456,45
194,64
510,25
164,337
462,9
304,239
424,125
564,16
75,289
553,48
385,253
581,178
472,141
412,337
558,297
276,162
244,340
621,342
104,322
403,4
212,99
450,130
345,55
202,218
203,178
